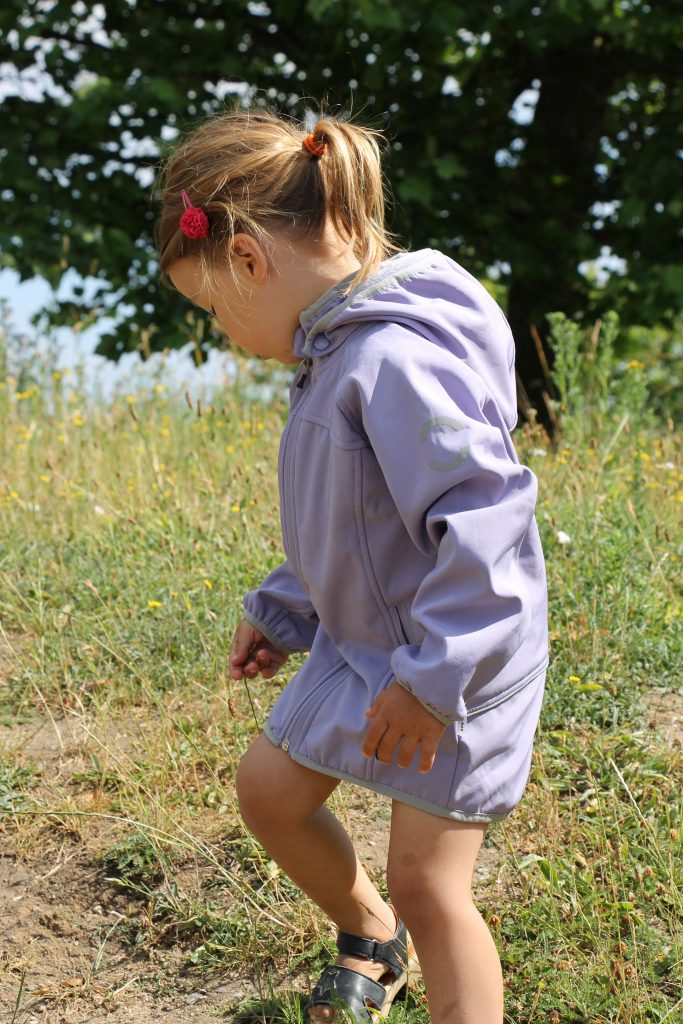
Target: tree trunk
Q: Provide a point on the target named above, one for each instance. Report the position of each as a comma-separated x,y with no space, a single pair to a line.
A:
563,146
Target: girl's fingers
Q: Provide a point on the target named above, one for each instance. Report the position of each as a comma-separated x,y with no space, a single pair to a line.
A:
376,705
373,735
427,755
244,637
387,745
407,752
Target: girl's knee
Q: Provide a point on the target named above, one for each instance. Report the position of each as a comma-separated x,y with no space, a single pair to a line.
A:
421,894
274,792
257,789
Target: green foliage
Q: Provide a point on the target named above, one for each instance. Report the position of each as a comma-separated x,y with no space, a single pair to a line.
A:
593,390
15,779
442,80
134,862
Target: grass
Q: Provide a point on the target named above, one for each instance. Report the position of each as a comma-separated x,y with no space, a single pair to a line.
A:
128,534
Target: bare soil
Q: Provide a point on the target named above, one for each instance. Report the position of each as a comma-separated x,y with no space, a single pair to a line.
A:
664,715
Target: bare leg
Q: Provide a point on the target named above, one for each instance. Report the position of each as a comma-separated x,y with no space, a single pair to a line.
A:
281,803
431,860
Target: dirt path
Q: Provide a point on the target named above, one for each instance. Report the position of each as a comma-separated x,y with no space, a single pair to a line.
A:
58,934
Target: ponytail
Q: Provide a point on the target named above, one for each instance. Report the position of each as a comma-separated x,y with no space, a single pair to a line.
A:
259,173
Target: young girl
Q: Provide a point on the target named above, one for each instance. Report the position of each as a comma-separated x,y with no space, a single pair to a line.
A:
414,572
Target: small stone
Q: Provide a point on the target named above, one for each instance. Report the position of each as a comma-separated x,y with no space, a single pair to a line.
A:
194,997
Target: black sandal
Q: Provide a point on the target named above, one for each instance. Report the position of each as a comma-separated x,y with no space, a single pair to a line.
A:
347,990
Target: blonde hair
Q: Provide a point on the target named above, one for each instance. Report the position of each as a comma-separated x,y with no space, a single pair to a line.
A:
250,172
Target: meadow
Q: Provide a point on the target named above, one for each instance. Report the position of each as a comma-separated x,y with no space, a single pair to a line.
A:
129,532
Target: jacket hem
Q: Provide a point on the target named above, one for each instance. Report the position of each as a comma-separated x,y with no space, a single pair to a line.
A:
390,791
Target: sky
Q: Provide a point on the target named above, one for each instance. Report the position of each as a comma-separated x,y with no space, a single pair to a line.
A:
102,378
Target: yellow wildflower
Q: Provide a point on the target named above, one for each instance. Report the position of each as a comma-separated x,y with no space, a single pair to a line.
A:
154,604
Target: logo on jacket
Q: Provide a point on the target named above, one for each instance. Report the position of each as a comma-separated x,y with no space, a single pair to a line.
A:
443,466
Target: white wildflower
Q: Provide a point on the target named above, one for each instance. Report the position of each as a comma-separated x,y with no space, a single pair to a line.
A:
563,538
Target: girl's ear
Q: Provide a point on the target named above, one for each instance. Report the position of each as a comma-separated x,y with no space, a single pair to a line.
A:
248,259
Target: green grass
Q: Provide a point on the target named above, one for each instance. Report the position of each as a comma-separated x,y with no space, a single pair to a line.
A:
128,534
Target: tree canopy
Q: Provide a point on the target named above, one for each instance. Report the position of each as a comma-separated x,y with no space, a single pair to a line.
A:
593,162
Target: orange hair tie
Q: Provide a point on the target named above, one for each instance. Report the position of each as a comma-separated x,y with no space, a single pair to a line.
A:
313,147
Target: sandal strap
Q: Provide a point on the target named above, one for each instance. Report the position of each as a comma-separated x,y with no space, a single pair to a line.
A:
341,985
393,953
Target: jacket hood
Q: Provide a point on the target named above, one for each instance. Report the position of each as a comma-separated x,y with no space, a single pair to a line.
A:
432,295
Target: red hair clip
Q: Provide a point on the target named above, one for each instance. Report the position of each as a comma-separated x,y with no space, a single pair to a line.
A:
313,147
194,222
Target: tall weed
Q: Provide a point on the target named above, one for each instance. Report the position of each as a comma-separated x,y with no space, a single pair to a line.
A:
598,395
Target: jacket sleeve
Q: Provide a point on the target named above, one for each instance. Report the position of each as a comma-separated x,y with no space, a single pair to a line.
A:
467,502
282,611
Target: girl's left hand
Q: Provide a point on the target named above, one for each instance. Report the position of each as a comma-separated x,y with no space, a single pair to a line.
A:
399,720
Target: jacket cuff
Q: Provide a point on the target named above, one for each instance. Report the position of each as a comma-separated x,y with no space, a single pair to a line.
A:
267,632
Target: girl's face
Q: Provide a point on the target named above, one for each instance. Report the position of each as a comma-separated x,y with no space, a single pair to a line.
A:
257,297
250,302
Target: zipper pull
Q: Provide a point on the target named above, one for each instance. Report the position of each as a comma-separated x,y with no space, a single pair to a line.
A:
307,366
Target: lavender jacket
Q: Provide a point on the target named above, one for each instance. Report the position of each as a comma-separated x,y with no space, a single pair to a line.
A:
407,519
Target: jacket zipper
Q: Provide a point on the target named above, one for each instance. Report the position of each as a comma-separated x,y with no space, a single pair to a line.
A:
291,726
288,536
306,372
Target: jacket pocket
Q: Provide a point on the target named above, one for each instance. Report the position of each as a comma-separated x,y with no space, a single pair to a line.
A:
406,624
386,611
300,718
480,709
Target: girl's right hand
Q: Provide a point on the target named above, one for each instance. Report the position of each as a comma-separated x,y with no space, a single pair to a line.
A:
252,652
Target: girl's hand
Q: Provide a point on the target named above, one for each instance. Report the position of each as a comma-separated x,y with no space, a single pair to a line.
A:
252,652
399,720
